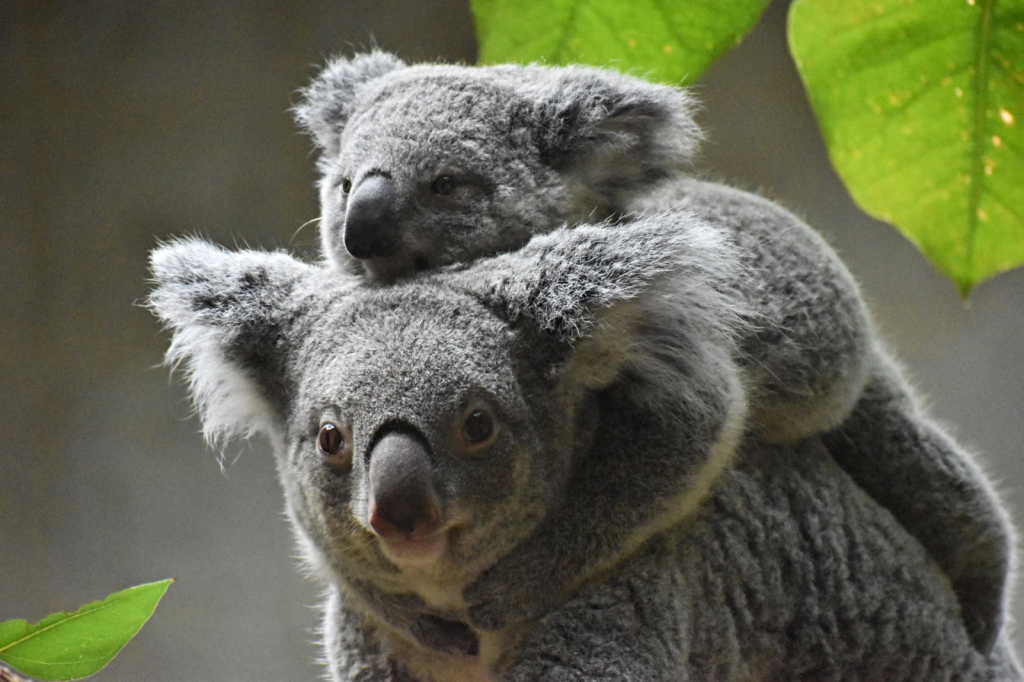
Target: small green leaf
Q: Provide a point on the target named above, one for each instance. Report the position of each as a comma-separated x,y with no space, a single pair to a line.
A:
670,41
922,107
66,646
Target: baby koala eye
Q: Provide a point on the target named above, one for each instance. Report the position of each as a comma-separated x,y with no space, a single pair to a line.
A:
444,185
476,431
346,185
335,445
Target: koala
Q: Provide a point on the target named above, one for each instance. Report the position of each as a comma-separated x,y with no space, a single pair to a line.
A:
517,405
428,165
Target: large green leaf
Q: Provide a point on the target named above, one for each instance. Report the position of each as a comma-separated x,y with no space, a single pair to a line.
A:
921,103
665,40
69,646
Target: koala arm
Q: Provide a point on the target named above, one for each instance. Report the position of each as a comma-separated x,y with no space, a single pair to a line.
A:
934,489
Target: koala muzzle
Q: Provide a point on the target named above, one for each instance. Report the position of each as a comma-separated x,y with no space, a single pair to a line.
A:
403,506
371,228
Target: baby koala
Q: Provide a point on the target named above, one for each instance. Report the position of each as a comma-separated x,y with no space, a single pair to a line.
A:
429,165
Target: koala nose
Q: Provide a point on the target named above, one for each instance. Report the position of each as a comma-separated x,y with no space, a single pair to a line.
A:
370,227
402,501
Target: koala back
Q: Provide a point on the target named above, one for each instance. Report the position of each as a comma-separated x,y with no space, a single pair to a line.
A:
809,345
788,572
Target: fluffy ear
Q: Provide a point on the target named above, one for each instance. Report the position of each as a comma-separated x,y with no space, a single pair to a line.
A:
616,292
230,314
613,134
327,102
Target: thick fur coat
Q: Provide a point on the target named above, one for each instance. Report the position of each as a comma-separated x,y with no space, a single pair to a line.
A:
582,396
427,165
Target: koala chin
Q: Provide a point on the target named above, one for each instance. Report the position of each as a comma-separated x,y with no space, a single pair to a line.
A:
430,165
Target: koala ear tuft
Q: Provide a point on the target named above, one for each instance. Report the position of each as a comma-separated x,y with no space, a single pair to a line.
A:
610,134
660,294
229,314
327,103
655,303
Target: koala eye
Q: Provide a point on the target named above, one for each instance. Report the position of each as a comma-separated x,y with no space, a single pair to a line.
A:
444,185
335,444
478,427
477,430
346,185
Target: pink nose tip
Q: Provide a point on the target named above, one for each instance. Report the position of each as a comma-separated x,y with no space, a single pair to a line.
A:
412,523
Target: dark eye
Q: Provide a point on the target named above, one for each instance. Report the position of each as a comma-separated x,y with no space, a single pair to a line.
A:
478,427
476,431
444,185
346,185
335,444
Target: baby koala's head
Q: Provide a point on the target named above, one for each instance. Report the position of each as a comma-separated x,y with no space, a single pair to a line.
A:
423,166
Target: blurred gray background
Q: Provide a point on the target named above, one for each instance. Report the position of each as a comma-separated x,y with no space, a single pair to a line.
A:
122,123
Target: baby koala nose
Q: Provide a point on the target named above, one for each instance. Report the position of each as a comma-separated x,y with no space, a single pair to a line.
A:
402,501
371,230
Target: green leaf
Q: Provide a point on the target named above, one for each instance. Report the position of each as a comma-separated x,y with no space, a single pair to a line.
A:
922,107
66,646
663,40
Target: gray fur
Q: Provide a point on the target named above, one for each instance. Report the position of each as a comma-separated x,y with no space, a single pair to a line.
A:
577,147
606,355
531,148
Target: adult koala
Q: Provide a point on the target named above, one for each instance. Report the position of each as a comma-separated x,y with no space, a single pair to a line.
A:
427,165
519,405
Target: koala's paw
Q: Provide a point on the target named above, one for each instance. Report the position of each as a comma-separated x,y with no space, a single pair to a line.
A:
507,594
982,608
495,615
486,614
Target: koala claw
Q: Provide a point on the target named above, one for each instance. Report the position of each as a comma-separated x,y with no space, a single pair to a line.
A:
489,609
487,616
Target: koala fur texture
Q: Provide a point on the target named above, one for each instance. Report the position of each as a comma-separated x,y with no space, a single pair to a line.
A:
517,406
427,165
